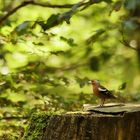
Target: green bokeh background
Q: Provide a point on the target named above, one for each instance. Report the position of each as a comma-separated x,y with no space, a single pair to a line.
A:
48,70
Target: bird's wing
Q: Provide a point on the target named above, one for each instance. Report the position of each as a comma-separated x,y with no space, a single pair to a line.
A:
102,89
105,91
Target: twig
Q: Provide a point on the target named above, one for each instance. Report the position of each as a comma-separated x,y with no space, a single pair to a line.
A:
126,43
70,67
13,11
25,3
52,6
14,117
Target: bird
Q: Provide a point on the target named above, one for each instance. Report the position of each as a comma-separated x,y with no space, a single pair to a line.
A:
101,92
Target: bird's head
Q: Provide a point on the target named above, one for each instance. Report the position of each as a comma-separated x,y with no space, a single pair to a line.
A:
94,82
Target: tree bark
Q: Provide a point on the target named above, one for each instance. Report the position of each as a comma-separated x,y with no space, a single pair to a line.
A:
112,122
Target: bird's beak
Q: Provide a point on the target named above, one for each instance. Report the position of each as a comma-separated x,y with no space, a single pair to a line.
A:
89,82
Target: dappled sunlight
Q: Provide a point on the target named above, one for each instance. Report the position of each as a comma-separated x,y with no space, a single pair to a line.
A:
50,50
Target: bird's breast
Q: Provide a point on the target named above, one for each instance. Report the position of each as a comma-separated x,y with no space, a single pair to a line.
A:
95,91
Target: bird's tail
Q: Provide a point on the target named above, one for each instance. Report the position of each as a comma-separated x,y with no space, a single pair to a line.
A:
114,97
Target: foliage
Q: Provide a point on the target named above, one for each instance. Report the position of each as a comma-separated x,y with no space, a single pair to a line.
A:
49,51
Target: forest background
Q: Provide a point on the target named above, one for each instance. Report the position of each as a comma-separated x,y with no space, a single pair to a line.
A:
49,49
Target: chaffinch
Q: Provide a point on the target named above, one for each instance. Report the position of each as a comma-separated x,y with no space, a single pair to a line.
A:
101,92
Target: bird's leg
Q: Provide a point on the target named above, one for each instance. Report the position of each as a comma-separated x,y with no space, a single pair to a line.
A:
102,101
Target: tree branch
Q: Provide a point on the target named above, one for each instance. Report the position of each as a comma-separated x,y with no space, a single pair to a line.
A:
48,5
52,5
124,42
14,117
2,19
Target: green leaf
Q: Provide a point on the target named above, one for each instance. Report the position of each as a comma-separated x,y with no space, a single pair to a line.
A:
56,19
105,56
65,80
122,86
94,63
93,38
66,17
70,41
16,97
52,21
23,27
117,5
82,81
131,4
38,43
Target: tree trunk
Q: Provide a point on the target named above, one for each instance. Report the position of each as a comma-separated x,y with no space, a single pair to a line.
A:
112,122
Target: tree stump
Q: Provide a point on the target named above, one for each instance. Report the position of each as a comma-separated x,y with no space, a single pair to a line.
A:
111,122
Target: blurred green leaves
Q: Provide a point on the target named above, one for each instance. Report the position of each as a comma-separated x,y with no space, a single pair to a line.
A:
56,19
132,4
122,86
93,38
82,81
95,63
52,21
23,27
49,55
70,41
